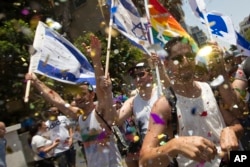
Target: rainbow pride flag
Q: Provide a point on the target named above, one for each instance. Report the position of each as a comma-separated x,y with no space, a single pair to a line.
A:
164,26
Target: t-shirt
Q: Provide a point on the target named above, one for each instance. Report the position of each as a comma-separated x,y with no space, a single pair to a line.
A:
58,129
3,152
200,116
40,141
100,147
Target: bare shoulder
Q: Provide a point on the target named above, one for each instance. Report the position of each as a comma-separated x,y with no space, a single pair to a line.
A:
162,106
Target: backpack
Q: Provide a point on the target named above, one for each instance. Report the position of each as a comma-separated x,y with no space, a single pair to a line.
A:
171,97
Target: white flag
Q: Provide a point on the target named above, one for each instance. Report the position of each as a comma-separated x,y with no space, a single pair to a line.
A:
58,59
127,21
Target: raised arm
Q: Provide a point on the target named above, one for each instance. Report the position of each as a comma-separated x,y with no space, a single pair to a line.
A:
230,107
103,83
52,97
228,96
162,71
125,111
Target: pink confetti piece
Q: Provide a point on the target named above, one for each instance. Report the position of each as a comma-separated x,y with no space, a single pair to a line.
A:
201,164
157,119
101,136
25,12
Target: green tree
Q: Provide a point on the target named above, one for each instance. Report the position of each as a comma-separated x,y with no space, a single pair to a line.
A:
15,39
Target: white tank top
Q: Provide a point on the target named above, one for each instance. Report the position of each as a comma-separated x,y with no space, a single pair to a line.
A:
142,109
200,117
98,154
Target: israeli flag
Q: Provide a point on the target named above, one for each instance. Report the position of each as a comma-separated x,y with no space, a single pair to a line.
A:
198,7
243,45
57,58
221,26
127,21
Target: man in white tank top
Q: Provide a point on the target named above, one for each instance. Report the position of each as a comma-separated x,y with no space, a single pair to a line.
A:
206,132
139,106
99,144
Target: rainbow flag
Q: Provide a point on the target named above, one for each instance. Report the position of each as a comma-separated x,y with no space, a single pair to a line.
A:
164,26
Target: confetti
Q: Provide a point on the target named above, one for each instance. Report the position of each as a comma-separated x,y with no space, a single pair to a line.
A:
52,118
161,136
114,9
193,111
203,114
217,81
101,136
157,119
136,138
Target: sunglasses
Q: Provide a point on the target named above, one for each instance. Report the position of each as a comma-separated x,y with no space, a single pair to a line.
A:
90,87
180,57
139,74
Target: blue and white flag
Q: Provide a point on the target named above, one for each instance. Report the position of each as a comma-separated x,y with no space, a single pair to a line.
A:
127,21
57,58
221,26
243,45
198,7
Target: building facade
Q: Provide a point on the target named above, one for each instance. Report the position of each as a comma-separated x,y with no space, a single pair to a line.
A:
245,25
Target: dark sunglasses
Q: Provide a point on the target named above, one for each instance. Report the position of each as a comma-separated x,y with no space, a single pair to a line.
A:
179,58
90,87
139,74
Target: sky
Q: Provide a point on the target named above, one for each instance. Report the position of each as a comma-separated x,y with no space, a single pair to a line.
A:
237,10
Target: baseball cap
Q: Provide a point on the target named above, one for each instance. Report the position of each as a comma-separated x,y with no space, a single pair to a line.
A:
140,65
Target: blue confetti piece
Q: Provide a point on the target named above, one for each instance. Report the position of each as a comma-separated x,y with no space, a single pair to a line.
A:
114,9
193,111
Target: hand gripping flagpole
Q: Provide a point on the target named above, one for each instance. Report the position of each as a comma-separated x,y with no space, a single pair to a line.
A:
109,38
151,40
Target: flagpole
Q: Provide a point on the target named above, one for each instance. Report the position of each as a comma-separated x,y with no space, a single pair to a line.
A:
100,5
109,39
207,24
151,40
27,91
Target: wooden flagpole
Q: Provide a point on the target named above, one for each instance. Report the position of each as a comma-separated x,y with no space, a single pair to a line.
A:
109,40
151,41
27,91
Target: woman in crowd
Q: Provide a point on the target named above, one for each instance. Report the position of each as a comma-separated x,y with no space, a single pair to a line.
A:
42,147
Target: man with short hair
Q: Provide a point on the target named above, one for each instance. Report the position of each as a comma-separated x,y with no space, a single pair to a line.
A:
201,132
138,107
98,140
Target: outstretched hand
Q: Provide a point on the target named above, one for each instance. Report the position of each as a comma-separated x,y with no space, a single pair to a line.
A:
228,140
94,50
217,63
197,148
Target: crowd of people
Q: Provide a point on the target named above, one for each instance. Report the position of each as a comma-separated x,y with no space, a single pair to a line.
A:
200,125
